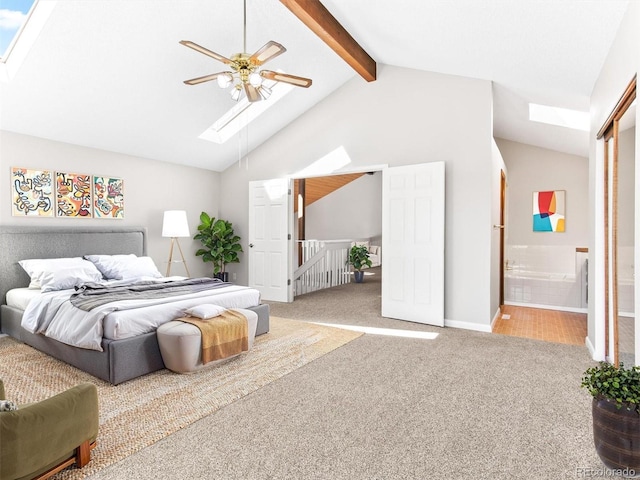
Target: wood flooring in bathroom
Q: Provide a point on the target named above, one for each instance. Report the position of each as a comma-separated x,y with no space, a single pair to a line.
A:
541,324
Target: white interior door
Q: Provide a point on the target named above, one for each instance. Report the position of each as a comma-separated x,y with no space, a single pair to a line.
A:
413,243
270,244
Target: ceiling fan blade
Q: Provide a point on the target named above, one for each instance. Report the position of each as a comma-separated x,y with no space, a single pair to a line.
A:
252,93
267,52
206,78
206,51
286,78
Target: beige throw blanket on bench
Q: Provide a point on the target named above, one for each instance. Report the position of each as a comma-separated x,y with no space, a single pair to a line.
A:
222,336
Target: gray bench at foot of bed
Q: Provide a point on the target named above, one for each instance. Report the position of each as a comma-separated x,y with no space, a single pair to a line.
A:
120,360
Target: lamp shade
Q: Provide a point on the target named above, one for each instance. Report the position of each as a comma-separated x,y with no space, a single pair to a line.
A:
174,224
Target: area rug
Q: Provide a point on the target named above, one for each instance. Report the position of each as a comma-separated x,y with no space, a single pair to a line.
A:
138,413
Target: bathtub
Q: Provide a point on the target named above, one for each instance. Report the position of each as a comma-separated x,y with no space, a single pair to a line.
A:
518,274
563,291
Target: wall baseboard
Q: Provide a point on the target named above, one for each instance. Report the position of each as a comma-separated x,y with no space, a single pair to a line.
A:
467,325
495,317
548,307
591,348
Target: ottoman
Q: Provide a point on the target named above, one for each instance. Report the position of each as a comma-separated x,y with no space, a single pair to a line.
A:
181,345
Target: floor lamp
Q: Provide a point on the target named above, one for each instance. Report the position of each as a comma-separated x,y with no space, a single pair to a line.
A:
174,225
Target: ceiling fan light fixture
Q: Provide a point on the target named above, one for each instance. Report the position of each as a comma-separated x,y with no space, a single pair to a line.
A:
255,79
236,91
224,79
245,69
265,92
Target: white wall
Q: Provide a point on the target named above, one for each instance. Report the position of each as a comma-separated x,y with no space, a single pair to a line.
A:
352,211
150,187
622,63
444,118
534,169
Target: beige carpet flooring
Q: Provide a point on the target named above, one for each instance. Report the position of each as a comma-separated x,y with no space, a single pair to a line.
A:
137,413
466,405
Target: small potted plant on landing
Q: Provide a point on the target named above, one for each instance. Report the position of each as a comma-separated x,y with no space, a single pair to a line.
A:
359,258
616,415
220,245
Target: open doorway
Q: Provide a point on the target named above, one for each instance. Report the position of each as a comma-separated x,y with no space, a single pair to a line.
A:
412,227
332,213
541,270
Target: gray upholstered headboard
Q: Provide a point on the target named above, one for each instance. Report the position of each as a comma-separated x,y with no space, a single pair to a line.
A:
18,243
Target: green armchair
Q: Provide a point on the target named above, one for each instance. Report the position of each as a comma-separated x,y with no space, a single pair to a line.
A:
43,438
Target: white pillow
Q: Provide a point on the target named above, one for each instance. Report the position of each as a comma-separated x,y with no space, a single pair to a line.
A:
111,265
36,268
139,268
125,267
207,310
70,277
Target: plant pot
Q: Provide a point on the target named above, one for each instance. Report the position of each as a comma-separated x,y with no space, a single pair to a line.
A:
616,435
359,276
224,276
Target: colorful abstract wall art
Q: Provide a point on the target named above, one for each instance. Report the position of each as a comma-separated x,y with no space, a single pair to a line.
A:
32,192
548,211
73,195
108,197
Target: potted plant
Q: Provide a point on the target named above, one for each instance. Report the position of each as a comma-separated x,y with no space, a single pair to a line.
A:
616,414
220,245
359,258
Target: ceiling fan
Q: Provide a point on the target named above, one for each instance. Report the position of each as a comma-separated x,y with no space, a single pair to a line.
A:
244,72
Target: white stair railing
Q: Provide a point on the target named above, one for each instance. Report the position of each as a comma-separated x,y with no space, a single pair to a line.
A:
324,265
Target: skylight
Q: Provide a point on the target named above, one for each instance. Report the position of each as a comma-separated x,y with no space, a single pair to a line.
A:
13,16
243,113
562,117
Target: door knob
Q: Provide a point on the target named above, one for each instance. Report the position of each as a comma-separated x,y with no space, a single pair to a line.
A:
251,245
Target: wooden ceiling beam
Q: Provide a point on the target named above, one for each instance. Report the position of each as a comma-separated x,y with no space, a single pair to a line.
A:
315,16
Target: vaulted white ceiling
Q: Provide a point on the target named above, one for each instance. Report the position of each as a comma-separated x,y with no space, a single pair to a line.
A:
109,74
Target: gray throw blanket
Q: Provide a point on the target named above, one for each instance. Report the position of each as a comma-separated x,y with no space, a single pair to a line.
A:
92,295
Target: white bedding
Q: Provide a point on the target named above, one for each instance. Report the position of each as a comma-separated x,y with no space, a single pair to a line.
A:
52,314
20,297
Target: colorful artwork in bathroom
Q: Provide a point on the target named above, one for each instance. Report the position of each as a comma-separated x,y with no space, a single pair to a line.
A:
548,211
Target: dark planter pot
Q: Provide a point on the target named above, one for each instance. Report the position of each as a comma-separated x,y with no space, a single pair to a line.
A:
616,435
359,276
224,276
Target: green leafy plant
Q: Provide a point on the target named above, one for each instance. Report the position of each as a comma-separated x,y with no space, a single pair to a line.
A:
220,245
359,257
618,384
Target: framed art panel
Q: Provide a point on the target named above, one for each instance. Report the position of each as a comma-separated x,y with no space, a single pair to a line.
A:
73,195
108,197
548,211
31,192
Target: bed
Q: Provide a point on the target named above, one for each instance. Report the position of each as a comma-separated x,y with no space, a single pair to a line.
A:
120,360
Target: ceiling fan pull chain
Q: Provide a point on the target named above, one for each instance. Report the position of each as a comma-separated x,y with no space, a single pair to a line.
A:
240,148
246,162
